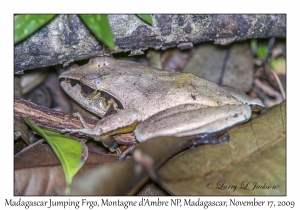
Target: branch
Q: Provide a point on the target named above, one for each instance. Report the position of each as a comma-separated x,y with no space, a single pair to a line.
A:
66,40
56,121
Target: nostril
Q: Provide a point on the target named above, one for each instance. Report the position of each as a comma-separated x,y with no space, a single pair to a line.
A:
61,79
72,82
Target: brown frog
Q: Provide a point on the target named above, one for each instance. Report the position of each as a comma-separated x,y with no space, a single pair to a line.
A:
152,102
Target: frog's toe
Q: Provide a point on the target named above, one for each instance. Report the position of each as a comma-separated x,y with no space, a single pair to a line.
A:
125,153
76,114
71,131
76,131
85,125
65,131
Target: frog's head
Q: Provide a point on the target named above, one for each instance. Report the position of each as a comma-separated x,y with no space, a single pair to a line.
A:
84,85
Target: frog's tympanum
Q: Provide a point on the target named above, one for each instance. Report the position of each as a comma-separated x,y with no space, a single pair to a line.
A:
152,102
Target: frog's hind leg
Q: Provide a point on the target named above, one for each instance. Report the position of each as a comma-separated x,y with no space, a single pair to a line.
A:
190,122
149,127
86,130
127,152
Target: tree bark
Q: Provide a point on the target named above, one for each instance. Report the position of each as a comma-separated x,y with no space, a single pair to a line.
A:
65,40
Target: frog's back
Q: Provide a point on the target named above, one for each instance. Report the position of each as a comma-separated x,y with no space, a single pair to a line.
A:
151,90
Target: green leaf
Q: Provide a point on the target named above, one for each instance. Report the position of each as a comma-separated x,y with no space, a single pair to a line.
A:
278,64
67,150
26,25
99,26
146,18
253,46
262,51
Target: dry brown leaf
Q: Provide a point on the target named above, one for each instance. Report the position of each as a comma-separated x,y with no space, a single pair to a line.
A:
39,172
128,177
239,71
254,157
207,62
225,66
151,189
22,130
175,59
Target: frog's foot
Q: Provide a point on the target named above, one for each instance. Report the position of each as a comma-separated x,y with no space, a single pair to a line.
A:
204,139
128,151
79,131
86,130
110,143
85,125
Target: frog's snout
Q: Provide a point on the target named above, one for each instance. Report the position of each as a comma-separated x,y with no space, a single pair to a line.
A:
257,105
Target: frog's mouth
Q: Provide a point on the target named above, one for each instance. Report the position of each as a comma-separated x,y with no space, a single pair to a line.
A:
96,101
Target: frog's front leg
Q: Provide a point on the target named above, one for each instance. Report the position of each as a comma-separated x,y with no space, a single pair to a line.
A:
189,120
123,121
91,131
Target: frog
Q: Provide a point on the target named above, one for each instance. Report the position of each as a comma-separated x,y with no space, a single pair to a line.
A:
151,102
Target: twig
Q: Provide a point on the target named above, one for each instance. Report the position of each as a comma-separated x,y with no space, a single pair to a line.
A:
56,120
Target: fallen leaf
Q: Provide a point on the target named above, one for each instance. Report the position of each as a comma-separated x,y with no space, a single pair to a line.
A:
71,153
175,59
228,67
151,189
128,177
19,144
22,128
207,62
253,162
37,170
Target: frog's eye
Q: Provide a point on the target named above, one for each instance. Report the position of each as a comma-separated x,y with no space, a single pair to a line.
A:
87,89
